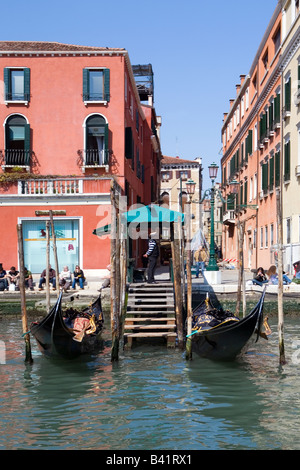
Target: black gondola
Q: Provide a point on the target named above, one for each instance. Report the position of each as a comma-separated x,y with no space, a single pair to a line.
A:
220,335
57,334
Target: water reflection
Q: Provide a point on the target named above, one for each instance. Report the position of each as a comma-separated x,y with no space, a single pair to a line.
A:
151,399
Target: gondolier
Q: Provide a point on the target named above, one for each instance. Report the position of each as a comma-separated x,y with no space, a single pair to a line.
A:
152,255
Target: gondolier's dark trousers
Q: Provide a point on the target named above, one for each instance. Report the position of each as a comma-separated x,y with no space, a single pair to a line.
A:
151,267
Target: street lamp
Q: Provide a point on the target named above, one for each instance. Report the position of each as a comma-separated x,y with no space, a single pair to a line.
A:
212,264
190,187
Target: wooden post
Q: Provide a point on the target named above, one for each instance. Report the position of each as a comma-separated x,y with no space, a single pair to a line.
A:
114,304
189,288
54,251
280,282
176,257
241,231
47,265
28,356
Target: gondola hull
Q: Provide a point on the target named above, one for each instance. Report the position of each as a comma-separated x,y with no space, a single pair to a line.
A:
55,338
226,341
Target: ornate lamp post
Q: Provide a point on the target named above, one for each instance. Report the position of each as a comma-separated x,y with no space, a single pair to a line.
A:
212,265
190,188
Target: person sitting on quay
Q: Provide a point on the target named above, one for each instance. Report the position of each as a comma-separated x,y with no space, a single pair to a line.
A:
3,278
28,279
52,278
78,278
273,276
260,279
13,277
106,282
65,278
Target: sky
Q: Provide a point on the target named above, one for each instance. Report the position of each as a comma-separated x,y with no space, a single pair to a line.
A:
198,50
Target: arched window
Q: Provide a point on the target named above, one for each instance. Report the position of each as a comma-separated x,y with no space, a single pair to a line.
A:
96,141
17,141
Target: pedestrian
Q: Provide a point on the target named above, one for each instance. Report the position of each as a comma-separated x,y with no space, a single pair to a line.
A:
13,277
273,276
200,259
28,279
3,279
65,278
152,255
52,278
260,277
78,278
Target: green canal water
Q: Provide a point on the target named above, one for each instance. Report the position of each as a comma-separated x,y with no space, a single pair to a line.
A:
151,399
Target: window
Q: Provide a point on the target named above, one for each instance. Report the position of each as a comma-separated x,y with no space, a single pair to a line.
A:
271,234
287,161
17,141
287,95
288,231
261,237
266,237
96,85
277,39
96,148
17,84
265,60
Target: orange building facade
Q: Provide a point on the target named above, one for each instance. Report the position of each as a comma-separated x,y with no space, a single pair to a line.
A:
252,154
73,120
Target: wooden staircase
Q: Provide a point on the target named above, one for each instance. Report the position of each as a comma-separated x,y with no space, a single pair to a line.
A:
150,313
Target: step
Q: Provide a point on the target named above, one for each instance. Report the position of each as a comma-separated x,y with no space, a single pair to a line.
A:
134,319
150,327
150,335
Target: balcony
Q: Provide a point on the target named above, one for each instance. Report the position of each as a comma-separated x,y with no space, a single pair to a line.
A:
229,217
94,158
15,157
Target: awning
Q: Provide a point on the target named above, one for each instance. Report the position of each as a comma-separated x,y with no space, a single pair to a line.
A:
152,214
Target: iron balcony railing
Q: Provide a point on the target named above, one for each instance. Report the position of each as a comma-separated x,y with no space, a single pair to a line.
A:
15,157
94,157
17,96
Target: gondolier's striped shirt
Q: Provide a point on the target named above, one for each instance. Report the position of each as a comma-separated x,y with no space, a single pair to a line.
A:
152,248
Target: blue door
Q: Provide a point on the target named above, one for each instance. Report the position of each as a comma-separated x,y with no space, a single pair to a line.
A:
67,244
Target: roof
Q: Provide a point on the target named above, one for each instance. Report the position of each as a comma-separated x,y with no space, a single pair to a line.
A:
34,46
177,161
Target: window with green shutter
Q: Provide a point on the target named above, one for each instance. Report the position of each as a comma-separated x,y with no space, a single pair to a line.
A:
287,95
277,109
265,168
277,169
96,151
17,141
96,85
287,161
17,84
271,173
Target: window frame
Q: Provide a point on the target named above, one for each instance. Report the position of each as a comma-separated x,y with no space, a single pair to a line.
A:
7,72
86,85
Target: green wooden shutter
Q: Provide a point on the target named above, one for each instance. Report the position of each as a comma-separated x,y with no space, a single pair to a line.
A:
287,90
287,161
7,87
277,108
250,141
271,173
27,84
85,85
246,193
27,144
106,84
106,143
277,169
230,202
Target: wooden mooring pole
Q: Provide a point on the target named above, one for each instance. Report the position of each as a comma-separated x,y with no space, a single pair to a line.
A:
47,265
189,289
54,251
280,281
114,277
177,279
28,356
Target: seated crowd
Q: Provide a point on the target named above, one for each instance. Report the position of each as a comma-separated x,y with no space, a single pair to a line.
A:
9,280
271,276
